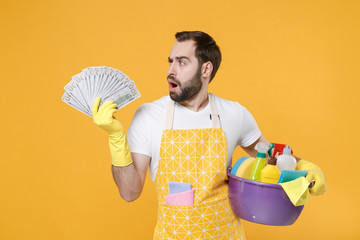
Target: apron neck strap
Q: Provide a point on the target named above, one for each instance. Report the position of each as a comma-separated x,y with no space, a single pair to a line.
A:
214,116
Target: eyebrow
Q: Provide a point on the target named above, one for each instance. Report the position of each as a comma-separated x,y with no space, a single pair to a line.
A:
178,58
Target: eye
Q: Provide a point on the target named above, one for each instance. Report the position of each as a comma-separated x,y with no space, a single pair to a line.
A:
181,63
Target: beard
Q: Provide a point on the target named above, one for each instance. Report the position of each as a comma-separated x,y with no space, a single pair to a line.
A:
188,89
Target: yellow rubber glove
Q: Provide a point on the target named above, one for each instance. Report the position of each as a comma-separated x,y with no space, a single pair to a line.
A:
314,175
119,148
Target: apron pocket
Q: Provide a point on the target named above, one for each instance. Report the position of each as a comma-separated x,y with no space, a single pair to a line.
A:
203,220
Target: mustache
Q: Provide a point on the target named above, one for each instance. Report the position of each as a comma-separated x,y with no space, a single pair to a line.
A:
170,77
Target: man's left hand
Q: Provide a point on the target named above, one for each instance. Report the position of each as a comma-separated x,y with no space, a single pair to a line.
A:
314,175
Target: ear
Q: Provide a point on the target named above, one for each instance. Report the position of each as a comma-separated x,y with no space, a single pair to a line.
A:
206,69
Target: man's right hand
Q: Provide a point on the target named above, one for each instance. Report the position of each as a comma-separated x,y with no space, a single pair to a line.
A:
103,117
119,148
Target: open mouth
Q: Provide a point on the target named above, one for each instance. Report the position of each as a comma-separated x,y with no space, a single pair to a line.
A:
172,85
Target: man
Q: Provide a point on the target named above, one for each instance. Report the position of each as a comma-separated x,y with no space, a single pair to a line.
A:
188,137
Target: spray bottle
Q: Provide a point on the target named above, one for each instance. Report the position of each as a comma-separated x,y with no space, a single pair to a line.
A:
260,161
286,161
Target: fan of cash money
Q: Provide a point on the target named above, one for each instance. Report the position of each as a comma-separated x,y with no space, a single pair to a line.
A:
104,82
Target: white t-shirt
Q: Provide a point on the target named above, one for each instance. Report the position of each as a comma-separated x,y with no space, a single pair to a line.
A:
145,131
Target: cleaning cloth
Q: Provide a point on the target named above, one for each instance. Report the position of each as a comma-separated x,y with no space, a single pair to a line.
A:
180,199
178,187
297,190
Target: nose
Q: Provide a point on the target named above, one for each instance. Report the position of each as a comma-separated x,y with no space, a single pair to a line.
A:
171,70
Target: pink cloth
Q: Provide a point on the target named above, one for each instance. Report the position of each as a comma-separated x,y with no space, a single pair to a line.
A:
180,199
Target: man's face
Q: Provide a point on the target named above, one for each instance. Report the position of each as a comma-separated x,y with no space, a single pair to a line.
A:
184,75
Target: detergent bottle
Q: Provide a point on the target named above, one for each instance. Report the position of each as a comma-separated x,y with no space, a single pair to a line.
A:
260,160
270,173
286,161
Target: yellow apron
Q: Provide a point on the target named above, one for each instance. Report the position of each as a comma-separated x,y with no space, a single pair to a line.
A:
198,157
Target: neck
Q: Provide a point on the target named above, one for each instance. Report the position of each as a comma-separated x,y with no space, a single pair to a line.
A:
197,102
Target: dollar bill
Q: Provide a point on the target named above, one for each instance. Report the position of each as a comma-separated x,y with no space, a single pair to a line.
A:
104,82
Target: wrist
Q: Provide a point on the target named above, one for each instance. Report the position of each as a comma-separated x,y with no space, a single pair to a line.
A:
119,134
120,151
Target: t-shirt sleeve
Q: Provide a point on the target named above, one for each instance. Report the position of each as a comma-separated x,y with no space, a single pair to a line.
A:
138,133
250,131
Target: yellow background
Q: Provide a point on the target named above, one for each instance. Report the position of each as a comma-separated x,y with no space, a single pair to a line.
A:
293,64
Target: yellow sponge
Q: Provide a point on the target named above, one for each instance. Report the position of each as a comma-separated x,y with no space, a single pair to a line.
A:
244,169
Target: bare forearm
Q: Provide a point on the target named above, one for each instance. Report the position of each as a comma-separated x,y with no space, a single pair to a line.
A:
128,181
251,149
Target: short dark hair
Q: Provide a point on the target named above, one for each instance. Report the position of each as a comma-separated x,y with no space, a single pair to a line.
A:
206,48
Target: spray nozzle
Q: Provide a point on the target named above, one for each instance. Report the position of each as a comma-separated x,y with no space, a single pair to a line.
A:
262,149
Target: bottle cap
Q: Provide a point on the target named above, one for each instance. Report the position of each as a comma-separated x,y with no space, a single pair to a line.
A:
272,161
287,150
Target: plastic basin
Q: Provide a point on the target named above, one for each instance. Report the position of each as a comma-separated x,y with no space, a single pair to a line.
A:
262,203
